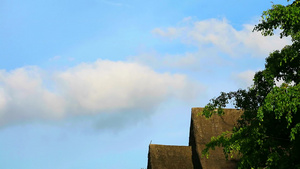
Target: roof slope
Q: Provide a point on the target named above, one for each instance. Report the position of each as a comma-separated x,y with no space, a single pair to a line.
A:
201,131
169,157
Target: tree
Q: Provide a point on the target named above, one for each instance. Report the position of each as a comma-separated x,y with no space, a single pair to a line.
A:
268,133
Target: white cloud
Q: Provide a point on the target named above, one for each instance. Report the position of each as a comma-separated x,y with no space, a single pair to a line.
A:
224,37
106,85
86,89
209,44
24,97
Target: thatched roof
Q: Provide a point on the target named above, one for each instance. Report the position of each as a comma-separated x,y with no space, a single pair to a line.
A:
189,157
201,131
169,157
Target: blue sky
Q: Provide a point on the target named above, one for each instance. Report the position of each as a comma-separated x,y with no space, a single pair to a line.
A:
88,84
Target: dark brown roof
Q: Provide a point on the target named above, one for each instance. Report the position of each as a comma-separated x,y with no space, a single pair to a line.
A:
201,131
189,157
169,157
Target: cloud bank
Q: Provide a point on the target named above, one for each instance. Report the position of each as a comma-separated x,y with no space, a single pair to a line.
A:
30,93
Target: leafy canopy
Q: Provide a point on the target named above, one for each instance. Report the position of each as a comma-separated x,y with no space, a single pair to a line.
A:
268,133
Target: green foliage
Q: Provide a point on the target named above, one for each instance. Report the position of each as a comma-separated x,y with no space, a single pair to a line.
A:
268,133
